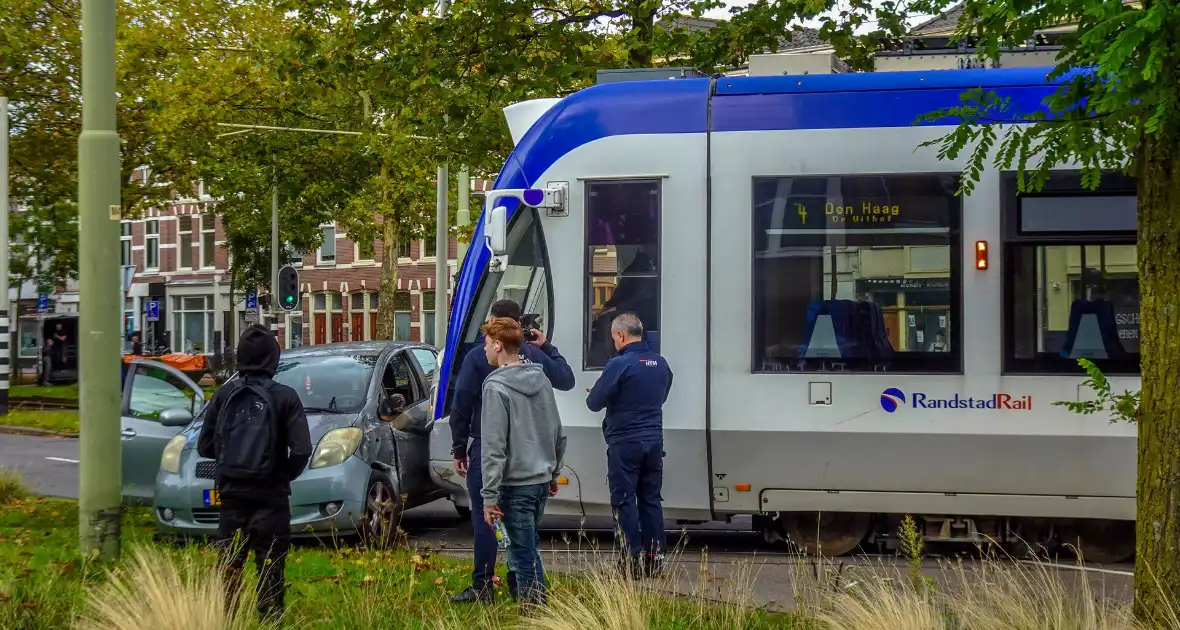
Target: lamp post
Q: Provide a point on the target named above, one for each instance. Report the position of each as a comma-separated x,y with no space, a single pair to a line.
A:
99,341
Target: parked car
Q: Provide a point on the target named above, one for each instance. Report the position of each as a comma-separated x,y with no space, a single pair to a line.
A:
158,402
367,408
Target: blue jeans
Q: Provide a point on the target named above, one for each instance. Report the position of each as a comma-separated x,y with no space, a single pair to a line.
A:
635,472
483,538
523,507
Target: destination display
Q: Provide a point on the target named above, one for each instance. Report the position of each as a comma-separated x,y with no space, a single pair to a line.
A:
886,203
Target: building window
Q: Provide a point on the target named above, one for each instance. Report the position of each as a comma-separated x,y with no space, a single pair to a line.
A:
326,254
364,250
428,320
1071,276
856,273
125,243
30,345
294,330
208,240
192,324
623,256
428,246
401,315
185,231
151,248
292,256
403,248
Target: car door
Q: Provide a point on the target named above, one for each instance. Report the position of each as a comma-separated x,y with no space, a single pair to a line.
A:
411,430
150,389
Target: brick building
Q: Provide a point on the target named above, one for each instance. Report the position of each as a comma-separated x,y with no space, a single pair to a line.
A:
181,263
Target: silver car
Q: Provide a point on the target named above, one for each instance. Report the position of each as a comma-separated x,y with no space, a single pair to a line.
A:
367,407
158,402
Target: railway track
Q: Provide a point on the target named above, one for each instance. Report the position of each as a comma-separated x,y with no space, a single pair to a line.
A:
42,403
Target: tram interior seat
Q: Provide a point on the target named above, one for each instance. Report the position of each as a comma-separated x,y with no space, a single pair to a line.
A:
845,329
1092,333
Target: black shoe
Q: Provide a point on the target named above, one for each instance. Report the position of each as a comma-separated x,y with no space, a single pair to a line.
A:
653,565
474,596
630,567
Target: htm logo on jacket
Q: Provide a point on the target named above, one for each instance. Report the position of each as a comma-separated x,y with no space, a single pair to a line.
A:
649,362
891,399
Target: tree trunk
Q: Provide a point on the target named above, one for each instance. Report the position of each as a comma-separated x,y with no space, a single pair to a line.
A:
1158,492
388,288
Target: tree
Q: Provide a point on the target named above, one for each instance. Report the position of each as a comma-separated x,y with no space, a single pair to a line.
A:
179,63
1117,108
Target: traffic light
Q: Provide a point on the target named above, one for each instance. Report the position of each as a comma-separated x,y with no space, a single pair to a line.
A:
288,289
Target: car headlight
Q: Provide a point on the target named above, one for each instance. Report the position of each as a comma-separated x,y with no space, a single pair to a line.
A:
170,460
336,446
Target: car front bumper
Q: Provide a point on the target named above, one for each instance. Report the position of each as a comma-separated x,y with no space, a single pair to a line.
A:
312,495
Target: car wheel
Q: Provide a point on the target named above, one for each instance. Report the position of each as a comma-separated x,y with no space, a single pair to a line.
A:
383,511
463,511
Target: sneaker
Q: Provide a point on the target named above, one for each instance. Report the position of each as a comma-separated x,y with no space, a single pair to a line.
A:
474,596
631,567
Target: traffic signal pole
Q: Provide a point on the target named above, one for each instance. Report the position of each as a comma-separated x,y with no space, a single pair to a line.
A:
273,315
99,339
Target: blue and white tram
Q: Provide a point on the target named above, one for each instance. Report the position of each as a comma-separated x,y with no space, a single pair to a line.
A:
851,340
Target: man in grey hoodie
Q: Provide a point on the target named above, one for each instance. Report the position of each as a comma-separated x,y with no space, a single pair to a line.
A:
523,444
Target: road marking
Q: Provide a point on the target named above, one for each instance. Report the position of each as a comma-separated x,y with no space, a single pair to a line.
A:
1079,568
62,459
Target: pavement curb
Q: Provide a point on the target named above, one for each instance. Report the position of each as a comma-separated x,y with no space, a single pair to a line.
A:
10,430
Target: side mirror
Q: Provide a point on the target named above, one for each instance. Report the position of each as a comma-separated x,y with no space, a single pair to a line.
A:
496,231
175,417
391,406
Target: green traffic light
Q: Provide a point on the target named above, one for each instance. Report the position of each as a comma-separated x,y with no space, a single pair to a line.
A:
290,298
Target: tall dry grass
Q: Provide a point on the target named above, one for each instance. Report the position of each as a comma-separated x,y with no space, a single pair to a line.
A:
12,486
154,590
992,594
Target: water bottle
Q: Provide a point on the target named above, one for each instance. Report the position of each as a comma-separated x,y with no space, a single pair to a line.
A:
501,534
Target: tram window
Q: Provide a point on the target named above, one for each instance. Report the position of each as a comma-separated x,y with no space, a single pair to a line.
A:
622,261
525,280
1071,279
857,273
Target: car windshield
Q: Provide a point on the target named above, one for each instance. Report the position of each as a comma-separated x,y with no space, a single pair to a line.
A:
328,383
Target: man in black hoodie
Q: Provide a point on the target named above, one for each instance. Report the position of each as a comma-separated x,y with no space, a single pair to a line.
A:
259,508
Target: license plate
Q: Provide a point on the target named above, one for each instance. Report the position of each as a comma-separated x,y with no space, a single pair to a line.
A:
212,498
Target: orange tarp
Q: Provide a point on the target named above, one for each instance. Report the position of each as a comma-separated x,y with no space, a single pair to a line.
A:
182,362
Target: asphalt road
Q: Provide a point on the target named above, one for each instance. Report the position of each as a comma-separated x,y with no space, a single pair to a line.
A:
717,560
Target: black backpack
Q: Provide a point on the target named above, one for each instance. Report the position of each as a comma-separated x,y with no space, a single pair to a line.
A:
247,432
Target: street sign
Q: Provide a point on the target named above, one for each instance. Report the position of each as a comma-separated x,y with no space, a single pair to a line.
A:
43,303
252,301
252,317
153,310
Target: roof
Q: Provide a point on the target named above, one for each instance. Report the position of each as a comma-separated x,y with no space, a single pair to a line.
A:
348,347
945,22
796,38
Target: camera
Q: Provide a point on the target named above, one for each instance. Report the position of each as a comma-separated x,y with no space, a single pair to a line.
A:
529,325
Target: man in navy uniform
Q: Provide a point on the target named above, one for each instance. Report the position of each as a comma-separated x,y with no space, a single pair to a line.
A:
633,388
465,440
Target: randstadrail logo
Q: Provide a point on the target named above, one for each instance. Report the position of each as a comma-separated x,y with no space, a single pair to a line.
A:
891,399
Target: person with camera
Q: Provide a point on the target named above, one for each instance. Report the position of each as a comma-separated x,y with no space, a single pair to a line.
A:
466,447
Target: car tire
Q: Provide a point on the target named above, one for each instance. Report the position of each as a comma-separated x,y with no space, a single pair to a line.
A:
383,511
463,511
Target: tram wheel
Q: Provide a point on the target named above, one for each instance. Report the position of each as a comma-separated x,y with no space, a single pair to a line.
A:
826,533
1100,542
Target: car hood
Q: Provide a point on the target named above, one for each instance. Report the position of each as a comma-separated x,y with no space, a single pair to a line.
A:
317,424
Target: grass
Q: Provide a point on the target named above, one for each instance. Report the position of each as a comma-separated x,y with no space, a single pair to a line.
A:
64,422
63,392
45,584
